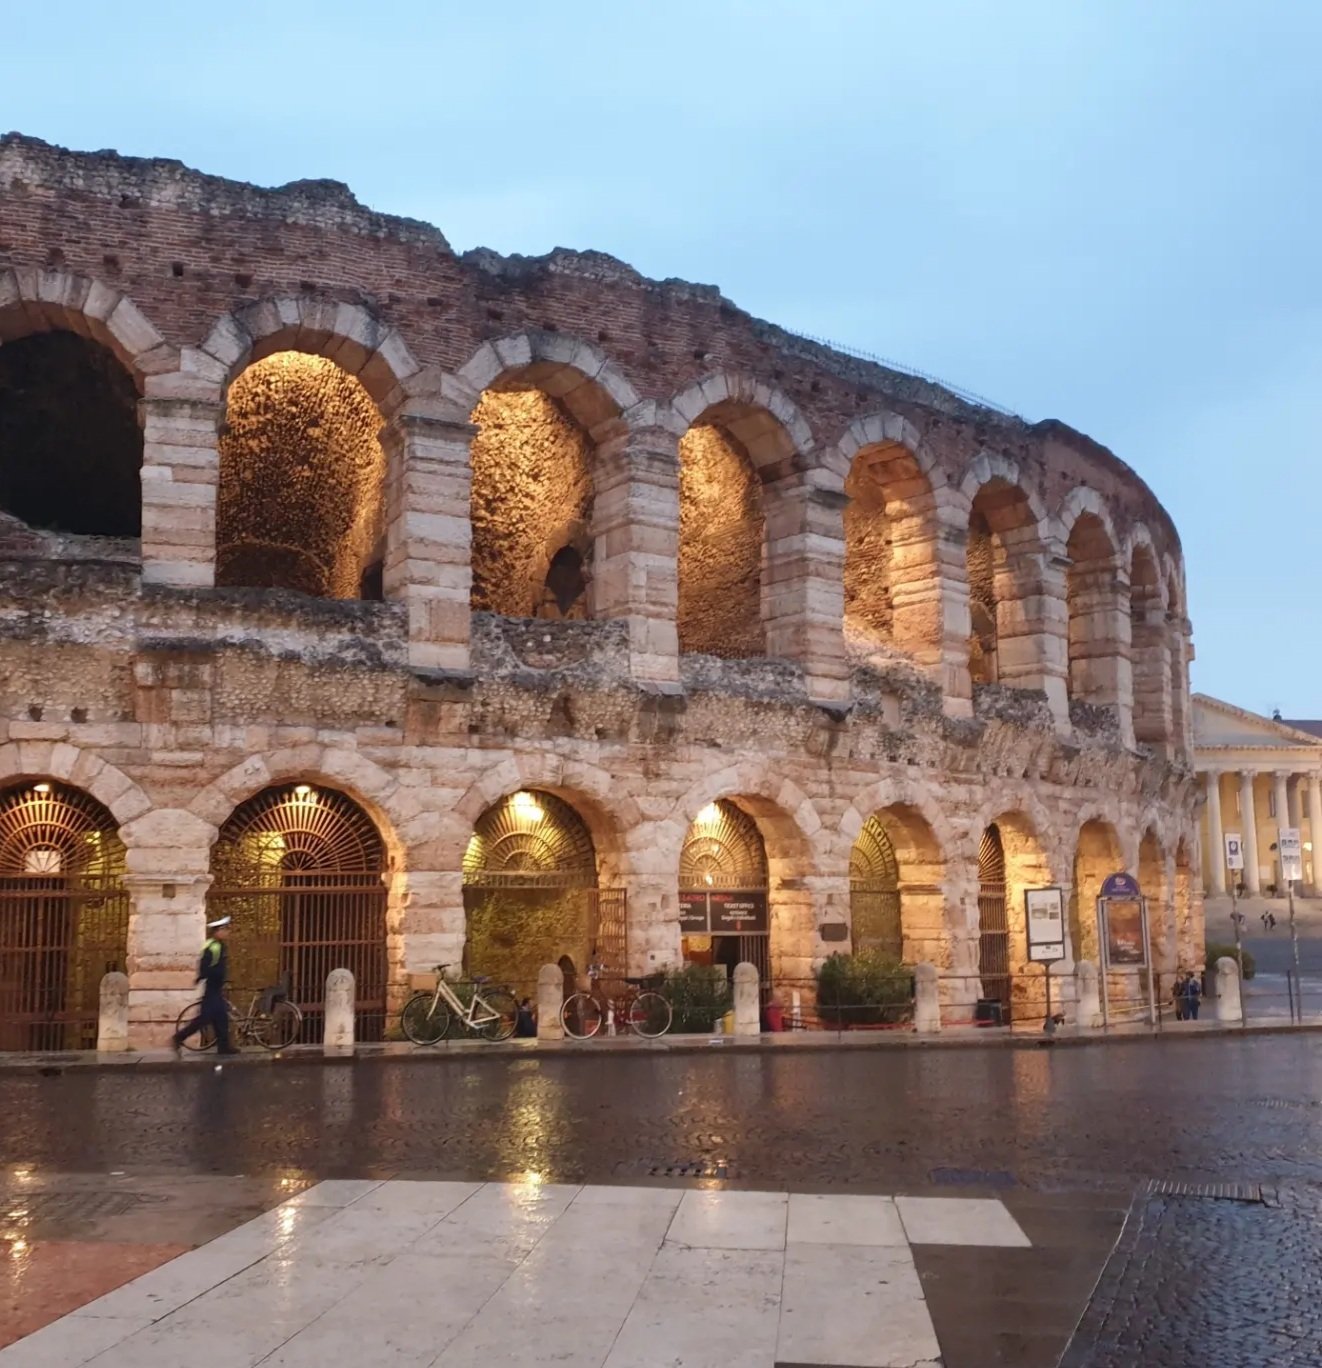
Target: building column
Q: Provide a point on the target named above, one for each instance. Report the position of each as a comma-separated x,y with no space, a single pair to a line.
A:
1280,792
1032,623
180,473
428,563
1315,827
1249,821
1292,798
1215,840
636,545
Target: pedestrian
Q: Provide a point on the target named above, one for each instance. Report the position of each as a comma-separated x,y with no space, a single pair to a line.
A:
1271,921
1263,919
212,972
525,1024
1193,992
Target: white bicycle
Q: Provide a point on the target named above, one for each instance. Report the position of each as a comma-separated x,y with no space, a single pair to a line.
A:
490,1012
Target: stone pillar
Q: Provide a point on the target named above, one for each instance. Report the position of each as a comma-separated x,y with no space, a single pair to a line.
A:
1292,799
428,563
653,912
550,1001
803,585
1087,995
1280,794
1216,853
1315,827
1248,819
180,472
1032,643
927,999
1099,640
948,581
167,929
747,1001
1229,1006
338,1022
432,926
635,522
112,1031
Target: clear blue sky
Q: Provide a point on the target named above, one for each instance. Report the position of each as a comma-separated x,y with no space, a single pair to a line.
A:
1104,211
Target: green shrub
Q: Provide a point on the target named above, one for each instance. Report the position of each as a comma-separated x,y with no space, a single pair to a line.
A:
864,989
1215,950
699,995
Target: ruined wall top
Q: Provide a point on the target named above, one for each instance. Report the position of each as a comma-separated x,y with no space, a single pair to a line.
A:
189,248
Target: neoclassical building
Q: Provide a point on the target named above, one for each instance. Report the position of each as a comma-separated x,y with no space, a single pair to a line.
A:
419,608
1259,774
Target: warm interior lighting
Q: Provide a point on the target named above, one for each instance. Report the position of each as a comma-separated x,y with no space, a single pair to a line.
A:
526,807
709,815
303,791
40,788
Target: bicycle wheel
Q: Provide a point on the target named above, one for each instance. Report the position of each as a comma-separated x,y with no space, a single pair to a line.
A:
425,1019
278,1028
581,1016
649,1015
503,1003
200,1040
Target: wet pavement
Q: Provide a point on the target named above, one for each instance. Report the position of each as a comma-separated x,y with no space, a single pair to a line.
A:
1064,1138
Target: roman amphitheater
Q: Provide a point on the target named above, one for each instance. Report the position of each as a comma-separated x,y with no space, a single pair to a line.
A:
416,607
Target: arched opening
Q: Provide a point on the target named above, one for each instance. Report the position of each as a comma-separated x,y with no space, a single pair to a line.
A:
70,444
298,504
531,894
896,902
889,553
1156,889
1002,537
532,496
1147,618
1096,855
722,530
1093,605
301,870
724,887
64,915
1010,860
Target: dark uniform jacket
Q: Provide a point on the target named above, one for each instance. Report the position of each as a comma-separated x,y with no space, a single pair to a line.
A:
213,967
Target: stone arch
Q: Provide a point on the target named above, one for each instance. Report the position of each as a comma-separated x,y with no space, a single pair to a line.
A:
1009,858
897,887
1081,501
548,411
354,337
1177,634
737,459
891,562
1097,854
1154,870
1097,628
1185,945
110,786
74,358
1150,646
1008,538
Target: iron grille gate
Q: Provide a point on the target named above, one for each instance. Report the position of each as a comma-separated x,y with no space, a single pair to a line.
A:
59,935
610,929
296,933
994,945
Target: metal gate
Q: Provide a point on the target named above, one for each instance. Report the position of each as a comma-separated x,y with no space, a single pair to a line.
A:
64,916
610,929
993,922
301,871
874,892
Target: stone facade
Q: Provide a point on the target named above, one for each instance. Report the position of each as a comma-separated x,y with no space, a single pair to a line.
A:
838,682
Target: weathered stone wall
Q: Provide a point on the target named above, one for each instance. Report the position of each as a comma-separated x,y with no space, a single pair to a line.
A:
126,672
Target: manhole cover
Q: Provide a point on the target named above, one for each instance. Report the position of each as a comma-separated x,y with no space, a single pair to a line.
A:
66,1206
957,1177
1217,1192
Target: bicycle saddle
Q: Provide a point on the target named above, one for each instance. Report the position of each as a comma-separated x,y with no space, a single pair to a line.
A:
480,978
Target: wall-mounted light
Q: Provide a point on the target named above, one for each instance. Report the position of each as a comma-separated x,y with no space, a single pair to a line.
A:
526,807
40,788
709,815
303,791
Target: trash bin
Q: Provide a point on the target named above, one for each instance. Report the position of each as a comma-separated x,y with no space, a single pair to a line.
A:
988,1012
727,1023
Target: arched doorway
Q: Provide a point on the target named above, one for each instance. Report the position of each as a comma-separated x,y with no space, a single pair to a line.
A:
1097,855
531,895
1001,556
874,893
301,870
723,891
63,915
993,920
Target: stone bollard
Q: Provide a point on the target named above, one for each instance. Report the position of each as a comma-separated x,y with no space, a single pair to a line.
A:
112,1027
747,1001
926,999
338,1021
550,1000
1229,1006
1086,995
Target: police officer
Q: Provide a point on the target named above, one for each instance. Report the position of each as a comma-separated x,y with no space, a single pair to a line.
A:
212,971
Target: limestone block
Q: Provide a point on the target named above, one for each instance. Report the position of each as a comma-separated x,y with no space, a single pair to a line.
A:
747,1001
338,1032
112,1032
1229,1005
550,999
927,999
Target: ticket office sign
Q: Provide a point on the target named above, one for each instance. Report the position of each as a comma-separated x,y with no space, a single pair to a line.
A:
723,912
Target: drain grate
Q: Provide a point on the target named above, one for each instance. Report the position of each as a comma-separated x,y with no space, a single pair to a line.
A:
957,1177
65,1206
693,1169
1217,1192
